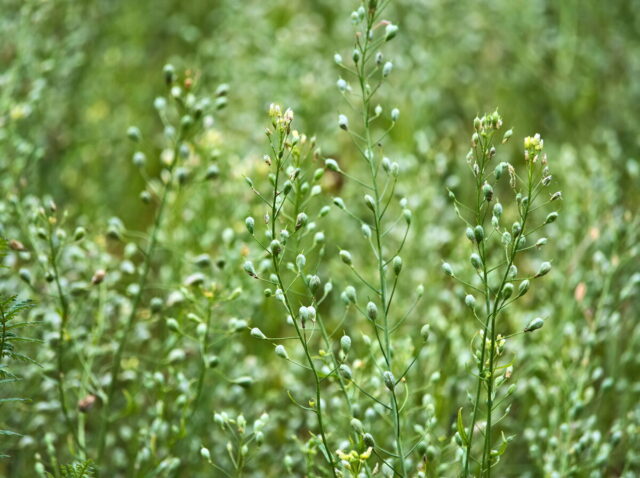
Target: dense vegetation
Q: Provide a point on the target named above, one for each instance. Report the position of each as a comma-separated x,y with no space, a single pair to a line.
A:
317,238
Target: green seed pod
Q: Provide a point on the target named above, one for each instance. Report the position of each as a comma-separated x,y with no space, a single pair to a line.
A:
79,234
389,380
345,371
331,165
314,283
469,233
425,331
287,187
369,201
301,261
25,275
366,231
516,229
249,269
487,191
476,262
257,333
339,202
169,74
534,324
395,114
133,133
357,426
346,257
551,217
446,267
386,69
343,122
497,210
350,293
368,440
523,288
390,32
213,361
478,233
172,324
544,269
275,247
507,135
156,304
372,311
324,211
301,220
507,291
139,159
212,172
345,344
281,352
406,213
506,238
356,55
470,301
145,197
397,264
244,381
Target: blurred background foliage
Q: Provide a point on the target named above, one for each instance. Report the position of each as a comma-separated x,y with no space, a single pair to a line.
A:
76,74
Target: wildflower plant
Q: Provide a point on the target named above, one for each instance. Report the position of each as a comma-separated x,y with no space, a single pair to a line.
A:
501,241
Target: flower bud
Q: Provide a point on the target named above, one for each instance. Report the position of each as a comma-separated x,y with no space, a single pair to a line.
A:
478,233
487,191
350,294
172,324
314,283
507,291
368,440
139,159
386,69
249,269
446,267
476,262
345,371
275,247
133,133
370,202
169,74
523,288
25,275
395,114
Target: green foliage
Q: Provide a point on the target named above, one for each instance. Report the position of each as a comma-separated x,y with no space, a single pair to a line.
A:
211,302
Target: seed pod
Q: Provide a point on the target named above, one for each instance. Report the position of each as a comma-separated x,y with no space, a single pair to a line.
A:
370,202
301,220
390,32
425,331
345,371
516,229
345,344
397,264
343,122
78,234
314,283
172,324
139,159
257,333
523,288
497,210
389,380
534,324
281,352
487,191
331,165
250,223
275,247
395,114
470,301
366,231
386,69
544,269
25,275
350,294
478,233
133,133
249,269
368,440
446,267
407,214
551,217
169,74
357,426
346,257
372,311
470,235
356,55
507,291
476,262
507,135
